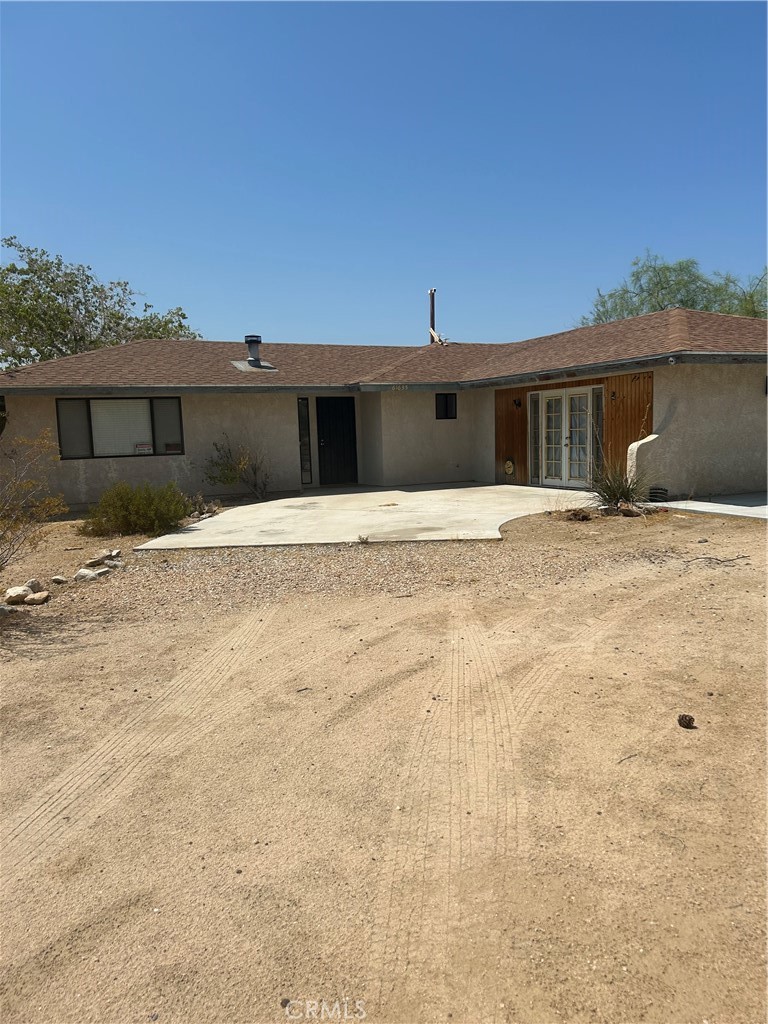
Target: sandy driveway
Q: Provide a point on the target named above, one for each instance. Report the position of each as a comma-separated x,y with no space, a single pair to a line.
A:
466,802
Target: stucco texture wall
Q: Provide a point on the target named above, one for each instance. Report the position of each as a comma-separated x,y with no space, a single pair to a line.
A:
709,431
268,422
370,457
417,448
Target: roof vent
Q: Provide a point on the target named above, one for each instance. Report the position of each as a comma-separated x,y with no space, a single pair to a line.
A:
253,341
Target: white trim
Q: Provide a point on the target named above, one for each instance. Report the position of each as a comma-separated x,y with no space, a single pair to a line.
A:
564,480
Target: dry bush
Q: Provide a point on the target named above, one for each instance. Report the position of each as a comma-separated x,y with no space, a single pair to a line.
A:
26,503
199,504
236,465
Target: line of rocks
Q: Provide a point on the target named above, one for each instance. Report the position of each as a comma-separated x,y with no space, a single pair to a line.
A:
33,592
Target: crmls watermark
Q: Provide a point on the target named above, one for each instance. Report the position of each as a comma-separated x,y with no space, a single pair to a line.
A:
323,1009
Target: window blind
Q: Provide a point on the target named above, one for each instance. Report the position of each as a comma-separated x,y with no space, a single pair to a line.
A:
121,426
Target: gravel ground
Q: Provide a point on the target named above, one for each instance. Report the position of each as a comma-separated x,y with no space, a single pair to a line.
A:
532,552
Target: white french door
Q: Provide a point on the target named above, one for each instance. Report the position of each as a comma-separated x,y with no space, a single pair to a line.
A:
566,437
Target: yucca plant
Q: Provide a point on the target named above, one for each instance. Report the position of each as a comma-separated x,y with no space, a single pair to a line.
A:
612,484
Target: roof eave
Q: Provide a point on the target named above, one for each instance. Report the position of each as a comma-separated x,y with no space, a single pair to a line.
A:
569,372
505,380
110,391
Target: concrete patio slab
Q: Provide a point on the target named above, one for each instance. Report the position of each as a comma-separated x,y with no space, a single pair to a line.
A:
462,512
755,506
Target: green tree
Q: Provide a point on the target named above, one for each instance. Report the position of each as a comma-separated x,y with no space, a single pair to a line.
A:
49,308
654,284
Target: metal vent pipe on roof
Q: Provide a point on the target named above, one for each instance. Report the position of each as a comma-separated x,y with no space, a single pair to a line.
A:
253,341
255,361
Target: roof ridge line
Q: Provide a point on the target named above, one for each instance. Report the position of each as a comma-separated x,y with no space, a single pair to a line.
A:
680,333
375,378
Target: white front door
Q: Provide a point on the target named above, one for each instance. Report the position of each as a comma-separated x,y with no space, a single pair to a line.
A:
566,437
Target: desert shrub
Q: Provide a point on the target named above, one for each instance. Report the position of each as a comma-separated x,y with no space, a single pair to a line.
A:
236,465
26,503
612,484
143,508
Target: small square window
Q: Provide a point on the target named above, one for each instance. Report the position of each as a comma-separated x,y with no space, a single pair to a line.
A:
445,407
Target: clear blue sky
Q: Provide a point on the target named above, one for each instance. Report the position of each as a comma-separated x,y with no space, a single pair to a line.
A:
308,171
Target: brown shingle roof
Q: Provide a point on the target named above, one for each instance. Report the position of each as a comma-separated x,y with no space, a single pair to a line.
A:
655,334
205,364
188,363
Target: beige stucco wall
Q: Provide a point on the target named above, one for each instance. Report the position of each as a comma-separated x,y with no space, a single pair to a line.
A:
370,452
709,431
484,432
417,448
269,422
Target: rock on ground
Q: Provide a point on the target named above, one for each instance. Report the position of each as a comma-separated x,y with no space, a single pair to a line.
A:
85,576
17,595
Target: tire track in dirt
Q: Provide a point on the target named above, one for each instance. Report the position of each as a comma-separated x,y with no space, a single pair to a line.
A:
413,825
494,843
185,681
188,682
455,822
167,726
465,823
287,669
78,796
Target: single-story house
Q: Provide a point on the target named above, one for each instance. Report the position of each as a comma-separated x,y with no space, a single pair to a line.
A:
679,395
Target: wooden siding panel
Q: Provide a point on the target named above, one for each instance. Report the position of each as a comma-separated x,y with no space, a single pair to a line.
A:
627,416
628,412
512,433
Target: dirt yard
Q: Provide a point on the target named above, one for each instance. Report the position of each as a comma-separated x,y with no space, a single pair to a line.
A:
443,782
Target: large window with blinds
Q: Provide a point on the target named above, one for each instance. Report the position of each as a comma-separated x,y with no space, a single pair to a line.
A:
99,428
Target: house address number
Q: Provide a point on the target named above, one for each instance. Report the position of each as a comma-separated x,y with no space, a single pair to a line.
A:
399,387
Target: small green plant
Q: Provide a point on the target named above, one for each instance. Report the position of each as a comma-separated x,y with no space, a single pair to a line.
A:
143,508
612,485
236,465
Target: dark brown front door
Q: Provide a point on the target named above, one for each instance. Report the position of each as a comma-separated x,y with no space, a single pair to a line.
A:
337,441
